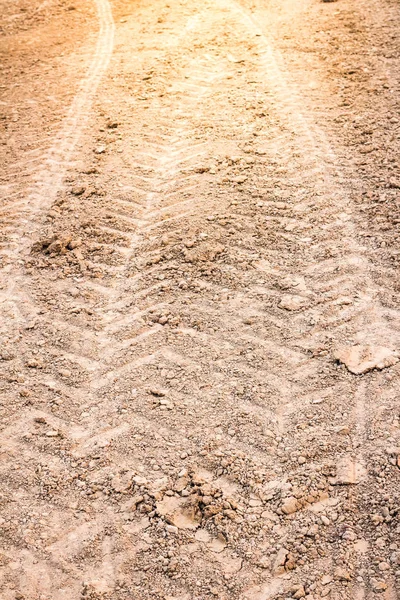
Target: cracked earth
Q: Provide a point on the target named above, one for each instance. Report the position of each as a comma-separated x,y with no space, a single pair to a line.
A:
199,310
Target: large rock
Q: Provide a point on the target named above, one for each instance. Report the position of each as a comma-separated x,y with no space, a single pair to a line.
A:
361,359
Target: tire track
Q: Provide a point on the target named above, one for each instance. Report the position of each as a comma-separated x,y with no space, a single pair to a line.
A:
150,200
238,444
379,327
49,179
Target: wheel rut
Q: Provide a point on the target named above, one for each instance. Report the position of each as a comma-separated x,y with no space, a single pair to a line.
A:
49,168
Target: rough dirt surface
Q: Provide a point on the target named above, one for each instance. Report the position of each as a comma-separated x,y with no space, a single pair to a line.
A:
199,312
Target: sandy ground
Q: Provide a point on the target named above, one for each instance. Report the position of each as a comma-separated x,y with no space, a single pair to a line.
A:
199,300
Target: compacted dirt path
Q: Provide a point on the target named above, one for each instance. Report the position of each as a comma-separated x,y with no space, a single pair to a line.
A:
199,300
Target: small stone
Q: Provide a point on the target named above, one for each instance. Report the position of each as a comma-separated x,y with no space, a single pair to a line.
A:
326,579
377,519
214,591
232,515
349,535
394,183
57,245
293,302
178,514
181,483
249,320
302,460
135,501
139,480
75,243
342,575
239,179
78,190
6,354
279,564
157,392
348,472
368,148
52,433
264,562
291,562
34,363
378,585
166,404
40,420
123,482
290,506
65,372
300,593
343,430
384,566
395,558
172,529
312,531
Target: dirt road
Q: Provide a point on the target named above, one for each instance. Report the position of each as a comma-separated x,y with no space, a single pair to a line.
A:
199,300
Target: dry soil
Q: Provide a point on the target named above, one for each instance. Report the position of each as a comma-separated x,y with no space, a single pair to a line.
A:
199,300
